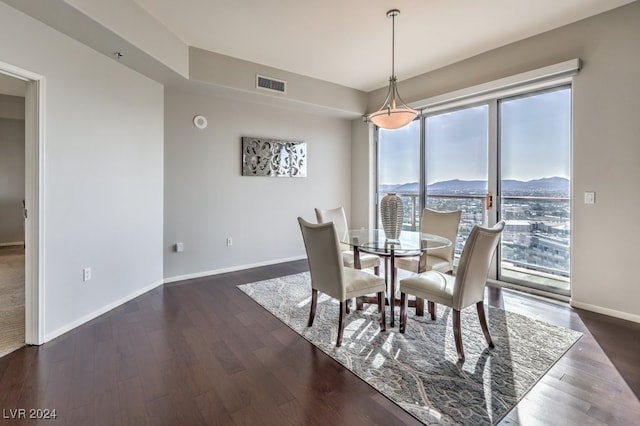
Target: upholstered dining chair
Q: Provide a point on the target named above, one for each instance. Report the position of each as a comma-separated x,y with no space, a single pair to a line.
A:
444,224
458,292
339,219
331,277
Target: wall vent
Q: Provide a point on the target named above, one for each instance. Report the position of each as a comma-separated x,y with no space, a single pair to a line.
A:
269,83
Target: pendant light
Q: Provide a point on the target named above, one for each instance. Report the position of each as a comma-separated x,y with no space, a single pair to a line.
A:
394,113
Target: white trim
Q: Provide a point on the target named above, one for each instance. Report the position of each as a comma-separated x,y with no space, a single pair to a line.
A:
34,199
230,269
15,243
78,322
17,72
605,311
536,79
34,224
103,310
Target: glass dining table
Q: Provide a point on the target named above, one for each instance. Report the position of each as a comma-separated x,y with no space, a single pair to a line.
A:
374,241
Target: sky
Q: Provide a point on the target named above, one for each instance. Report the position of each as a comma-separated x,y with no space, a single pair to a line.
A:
535,135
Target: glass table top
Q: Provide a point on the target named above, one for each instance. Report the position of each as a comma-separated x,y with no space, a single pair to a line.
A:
409,243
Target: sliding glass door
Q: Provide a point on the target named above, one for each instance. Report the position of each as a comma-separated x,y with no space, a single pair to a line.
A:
507,158
535,159
456,165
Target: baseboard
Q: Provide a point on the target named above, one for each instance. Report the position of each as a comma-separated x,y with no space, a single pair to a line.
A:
230,269
15,243
68,327
606,311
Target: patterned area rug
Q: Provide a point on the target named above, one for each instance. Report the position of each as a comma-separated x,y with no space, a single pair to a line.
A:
417,370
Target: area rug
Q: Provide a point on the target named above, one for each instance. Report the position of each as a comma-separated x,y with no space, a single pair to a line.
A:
418,370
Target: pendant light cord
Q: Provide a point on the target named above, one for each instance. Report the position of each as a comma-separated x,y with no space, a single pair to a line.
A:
393,45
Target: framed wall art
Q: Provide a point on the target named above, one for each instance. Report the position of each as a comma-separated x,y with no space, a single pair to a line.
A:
273,157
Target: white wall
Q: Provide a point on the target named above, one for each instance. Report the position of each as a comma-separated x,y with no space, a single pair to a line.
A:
207,199
363,172
606,148
11,169
11,181
11,176
103,172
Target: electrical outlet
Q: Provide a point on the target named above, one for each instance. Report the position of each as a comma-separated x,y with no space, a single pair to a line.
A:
86,274
589,197
229,241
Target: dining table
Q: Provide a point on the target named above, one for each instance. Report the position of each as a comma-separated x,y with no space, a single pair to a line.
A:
408,244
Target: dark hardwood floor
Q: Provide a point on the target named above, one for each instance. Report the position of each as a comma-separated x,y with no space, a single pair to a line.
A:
201,352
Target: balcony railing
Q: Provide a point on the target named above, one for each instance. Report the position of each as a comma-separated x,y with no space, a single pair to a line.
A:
535,240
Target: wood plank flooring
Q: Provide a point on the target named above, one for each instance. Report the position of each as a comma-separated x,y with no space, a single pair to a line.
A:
200,352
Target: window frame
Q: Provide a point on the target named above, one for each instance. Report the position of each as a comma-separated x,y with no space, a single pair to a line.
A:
549,78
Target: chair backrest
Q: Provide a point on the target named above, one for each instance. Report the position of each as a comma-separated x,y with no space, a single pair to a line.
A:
325,258
444,224
339,219
475,262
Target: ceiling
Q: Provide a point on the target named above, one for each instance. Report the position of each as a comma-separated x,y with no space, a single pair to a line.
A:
349,42
343,42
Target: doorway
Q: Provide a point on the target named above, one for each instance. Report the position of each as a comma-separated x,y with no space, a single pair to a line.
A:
22,194
12,200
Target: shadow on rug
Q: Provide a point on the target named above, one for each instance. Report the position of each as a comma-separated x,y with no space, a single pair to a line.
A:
417,370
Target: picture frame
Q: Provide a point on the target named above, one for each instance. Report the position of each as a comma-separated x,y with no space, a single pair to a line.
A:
273,157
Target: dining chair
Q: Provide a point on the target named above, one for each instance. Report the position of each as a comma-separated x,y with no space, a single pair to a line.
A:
444,224
461,291
339,219
331,277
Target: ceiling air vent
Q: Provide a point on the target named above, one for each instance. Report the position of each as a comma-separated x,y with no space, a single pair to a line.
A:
269,83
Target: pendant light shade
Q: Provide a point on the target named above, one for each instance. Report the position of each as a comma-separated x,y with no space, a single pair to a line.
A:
394,113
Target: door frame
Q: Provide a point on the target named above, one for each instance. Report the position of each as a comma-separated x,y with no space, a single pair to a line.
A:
34,201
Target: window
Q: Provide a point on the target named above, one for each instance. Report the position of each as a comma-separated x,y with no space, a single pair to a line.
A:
399,169
515,148
535,151
456,165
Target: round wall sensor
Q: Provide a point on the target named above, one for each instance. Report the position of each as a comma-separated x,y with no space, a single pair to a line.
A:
200,122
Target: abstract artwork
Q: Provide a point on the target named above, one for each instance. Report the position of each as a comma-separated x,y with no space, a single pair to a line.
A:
273,157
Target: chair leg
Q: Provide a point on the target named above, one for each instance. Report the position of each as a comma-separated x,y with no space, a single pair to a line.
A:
386,269
341,321
419,306
381,310
314,302
359,303
457,334
432,310
403,311
483,324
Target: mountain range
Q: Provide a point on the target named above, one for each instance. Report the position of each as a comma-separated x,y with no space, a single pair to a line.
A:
551,186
